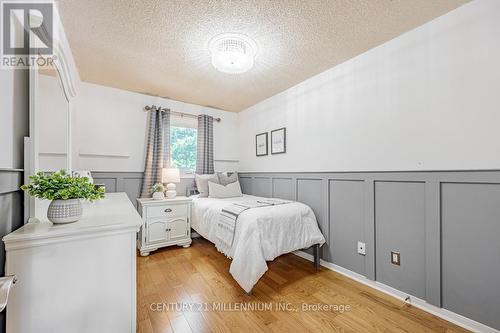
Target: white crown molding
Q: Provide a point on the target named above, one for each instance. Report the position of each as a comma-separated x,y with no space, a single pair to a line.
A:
65,63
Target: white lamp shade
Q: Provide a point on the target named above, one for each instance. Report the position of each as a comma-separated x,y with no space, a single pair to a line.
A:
171,175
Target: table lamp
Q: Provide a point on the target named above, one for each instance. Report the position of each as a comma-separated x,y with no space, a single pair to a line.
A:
171,176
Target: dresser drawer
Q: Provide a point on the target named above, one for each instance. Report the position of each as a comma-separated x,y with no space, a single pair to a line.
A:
169,211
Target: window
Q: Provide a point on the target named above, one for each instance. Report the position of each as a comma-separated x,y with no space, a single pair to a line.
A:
183,148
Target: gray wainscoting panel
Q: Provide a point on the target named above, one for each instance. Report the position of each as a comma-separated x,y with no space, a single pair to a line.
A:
11,218
130,183
262,186
132,186
433,242
11,206
109,183
309,191
246,184
313,193
369,208
10,180
347,223
11,214
283,188
471,250
327,204
400,227
454,265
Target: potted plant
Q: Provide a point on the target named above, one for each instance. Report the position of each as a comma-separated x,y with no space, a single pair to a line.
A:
158,191
65,192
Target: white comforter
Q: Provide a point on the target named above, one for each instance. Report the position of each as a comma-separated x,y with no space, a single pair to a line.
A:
261,234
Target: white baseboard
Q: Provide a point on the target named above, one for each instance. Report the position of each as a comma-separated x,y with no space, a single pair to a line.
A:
452,317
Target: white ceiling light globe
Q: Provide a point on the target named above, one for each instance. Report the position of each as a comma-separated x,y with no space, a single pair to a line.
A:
232,53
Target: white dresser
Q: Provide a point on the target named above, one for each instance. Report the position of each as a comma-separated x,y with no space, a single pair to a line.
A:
78,277
166,222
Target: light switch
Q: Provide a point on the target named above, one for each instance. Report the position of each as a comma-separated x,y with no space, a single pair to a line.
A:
395,258
362,248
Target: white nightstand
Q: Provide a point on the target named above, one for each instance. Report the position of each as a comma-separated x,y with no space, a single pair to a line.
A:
166,222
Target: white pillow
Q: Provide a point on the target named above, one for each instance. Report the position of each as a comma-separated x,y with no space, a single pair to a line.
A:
220,191
202,183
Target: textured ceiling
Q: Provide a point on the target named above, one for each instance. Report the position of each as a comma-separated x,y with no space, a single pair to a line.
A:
160,47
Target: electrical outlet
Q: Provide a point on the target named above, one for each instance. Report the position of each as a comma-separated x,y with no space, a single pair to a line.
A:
395,258
361,248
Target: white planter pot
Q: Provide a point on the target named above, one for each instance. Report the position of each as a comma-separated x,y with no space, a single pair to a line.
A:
158,196
64,211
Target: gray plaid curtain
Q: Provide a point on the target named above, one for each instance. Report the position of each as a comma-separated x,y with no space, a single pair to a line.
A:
157,149
205,153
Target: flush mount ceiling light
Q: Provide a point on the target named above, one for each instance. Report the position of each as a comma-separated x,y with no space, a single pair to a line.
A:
232,53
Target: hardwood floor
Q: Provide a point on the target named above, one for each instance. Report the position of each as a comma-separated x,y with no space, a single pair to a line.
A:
199,276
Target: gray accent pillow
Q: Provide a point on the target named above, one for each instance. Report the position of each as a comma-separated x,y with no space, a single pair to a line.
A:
229,191
226,179
202,183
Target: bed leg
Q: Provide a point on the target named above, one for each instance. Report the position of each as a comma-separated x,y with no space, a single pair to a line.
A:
316,256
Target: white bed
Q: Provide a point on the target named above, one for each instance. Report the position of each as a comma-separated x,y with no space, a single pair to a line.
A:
261,234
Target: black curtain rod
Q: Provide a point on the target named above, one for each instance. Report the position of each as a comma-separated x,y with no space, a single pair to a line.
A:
180,114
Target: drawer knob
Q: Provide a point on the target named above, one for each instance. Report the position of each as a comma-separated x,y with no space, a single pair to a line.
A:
168,210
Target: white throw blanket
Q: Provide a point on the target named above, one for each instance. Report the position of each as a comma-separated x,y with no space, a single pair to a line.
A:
261,234
227,221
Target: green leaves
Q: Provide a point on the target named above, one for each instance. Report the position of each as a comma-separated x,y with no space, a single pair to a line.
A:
60,185
183,147
158,187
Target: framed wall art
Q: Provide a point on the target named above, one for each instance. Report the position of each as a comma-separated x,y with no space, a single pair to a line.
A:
261,144
278,141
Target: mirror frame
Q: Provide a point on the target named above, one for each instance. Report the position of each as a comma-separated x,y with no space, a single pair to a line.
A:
69,80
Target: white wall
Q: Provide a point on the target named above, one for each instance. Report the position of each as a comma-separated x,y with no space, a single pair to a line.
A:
52,124
111,121
427,100
14,113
